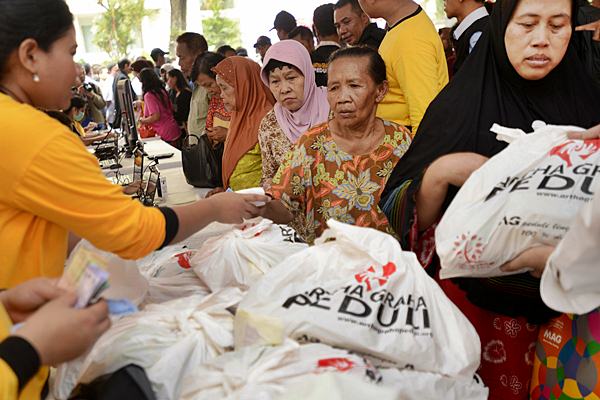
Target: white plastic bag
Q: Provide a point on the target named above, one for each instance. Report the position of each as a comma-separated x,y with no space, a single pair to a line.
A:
168,340
262,372
570,282
415,385
356,289
240,256
525,196
333,386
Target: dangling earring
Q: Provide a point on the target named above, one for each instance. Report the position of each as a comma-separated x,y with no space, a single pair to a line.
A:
36,78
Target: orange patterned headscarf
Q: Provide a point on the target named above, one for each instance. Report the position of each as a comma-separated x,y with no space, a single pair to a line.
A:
253,101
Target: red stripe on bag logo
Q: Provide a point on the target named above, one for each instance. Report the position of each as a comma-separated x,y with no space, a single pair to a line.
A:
376,277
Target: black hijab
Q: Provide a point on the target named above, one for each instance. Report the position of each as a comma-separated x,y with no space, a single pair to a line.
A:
488,90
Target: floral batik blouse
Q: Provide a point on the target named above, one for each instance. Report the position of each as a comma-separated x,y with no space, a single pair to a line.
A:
317,181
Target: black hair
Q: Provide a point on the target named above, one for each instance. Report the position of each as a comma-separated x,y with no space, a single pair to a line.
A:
195,42
273,64
87,68
139,65
151,83
76,102
323,20
353,3
205,63
60,116
179,78
122,63
44,21
303,32
110,66
376,67
224,49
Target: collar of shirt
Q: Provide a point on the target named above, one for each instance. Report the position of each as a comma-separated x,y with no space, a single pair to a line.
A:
328,43
469,20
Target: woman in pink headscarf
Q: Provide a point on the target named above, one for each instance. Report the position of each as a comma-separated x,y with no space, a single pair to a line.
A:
301,105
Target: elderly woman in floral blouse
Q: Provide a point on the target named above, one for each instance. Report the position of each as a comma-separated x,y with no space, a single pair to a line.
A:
301,104
339,169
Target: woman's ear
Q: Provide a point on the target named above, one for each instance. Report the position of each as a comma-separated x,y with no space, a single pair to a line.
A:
382,90
29,56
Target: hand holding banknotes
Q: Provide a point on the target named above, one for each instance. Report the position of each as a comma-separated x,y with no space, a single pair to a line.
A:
50,324
59,332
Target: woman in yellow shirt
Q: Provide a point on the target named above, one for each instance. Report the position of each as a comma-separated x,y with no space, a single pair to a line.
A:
50,183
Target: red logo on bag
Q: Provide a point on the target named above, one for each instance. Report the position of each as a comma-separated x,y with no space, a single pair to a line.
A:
470,247
584,149
340,364
183,259
376,277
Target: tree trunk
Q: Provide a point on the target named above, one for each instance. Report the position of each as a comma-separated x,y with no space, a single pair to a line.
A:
178,22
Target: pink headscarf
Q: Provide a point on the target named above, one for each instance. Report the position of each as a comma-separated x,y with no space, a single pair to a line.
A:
315,109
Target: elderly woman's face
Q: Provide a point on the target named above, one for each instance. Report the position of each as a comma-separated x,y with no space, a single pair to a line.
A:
287,85
227,94
537,36
209,84
352,93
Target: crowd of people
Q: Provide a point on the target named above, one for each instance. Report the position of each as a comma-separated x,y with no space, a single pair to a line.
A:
344,120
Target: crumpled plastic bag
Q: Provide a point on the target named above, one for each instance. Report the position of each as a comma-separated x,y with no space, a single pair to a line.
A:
242,255
168,340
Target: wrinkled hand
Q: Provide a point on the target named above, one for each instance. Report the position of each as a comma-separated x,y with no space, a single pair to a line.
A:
534,258
214,191
233,208
592,133
593,26
60,332
23,300
217,134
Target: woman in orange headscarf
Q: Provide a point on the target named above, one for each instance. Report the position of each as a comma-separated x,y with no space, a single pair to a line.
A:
248,100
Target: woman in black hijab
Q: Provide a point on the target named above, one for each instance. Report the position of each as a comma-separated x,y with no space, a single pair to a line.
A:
495,86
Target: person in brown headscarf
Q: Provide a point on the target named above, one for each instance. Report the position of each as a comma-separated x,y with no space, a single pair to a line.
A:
248,100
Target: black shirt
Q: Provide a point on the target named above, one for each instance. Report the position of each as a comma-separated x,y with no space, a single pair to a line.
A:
320,61
181,107
372,36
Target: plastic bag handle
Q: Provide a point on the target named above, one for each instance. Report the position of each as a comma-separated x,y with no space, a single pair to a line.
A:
505,134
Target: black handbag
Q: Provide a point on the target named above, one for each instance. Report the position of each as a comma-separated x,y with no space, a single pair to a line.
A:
202,162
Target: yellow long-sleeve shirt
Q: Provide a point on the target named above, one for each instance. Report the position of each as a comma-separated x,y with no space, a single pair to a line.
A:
9,383
51,185
416,69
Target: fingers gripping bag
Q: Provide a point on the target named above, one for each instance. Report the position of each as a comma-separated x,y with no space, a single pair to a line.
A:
263,372
356,289
525,196
243,254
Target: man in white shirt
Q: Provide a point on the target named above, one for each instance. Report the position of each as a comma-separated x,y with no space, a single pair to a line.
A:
472,17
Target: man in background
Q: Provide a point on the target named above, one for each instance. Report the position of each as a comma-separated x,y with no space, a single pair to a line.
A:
472,18
305,37
414,58
354,27
123,74
327,39
191,45
158,56
284,24
89,90
262,45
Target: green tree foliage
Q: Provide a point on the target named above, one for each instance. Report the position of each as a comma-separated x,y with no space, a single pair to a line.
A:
219,30
119,27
